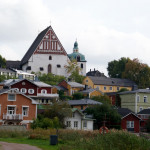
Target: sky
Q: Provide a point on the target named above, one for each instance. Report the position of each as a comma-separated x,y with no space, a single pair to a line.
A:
105,29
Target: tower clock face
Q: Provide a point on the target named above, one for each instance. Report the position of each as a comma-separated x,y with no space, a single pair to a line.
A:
53,37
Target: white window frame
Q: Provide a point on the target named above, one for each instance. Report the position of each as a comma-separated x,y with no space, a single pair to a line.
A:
138,98
75,124
130,124
27,111
68,124
29,91
25,90
145,99
43,91
11,99
9,111
23,83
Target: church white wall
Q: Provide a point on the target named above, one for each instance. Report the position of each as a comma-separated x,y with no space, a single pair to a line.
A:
83,70
42,60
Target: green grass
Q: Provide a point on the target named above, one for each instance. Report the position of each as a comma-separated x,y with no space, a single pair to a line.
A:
43,144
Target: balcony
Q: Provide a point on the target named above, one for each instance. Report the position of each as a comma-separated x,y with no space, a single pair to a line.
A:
47,95
11,117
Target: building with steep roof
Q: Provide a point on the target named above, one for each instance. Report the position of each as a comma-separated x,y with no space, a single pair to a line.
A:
80,58
47,55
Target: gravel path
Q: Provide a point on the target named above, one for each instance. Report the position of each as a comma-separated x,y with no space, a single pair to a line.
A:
14,146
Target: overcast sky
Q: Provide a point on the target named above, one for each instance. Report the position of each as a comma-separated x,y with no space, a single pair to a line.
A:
105,29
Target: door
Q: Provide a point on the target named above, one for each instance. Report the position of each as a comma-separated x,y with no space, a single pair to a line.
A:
11,111
49,68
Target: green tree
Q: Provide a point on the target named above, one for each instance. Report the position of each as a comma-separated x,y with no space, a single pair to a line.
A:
117,67
99,112
73,69
50,78
2,62
103,99
78,96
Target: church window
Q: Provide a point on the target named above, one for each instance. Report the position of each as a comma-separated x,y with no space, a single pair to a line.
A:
49,68
41,46
81,65
41,68
78,58
50,57
52,45
58,66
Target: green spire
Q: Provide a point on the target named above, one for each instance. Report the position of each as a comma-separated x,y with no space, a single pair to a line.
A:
75,49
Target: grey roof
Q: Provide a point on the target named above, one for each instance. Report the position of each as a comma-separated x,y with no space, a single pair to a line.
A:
7,70
111,81
75,84
10,82
34,46
135,91
13,64
95,73
90,90
123,111
60,88
144,111
83,102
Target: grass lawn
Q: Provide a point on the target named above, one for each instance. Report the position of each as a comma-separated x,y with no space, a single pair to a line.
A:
43,144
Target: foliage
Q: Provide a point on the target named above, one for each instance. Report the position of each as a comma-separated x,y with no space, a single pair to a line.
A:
2,62
99,112
62,96
60,110
103,99
50,78
130,69
73,69
116,68
78,96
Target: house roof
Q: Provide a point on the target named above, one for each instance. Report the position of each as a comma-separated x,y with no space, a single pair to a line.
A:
111,81
13,64
87,91
60,88
75,84
10,82
95,73
135,91
34,46
2,91
144,111
6,70
83,102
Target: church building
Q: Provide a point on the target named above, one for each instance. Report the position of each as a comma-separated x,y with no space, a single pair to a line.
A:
47,55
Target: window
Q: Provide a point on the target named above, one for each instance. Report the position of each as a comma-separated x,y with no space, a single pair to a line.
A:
11,110
41,68
110,88
47,101
68,123
85,124
28,68
11,97
31,91
138,98
118,88
23,90
145,99
130,124
78,58
50,57
140,108
73,115
58,66
42,101
23,83
75,124
81,65
25,110
44,91
86,81
104,87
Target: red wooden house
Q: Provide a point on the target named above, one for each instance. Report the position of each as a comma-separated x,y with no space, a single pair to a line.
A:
16,108
129,120
39,91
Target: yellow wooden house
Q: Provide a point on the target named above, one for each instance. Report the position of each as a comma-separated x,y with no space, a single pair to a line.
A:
105,84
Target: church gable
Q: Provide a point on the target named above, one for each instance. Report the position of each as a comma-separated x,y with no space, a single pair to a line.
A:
50,44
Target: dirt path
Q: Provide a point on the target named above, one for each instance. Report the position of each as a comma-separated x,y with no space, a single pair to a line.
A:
14,146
